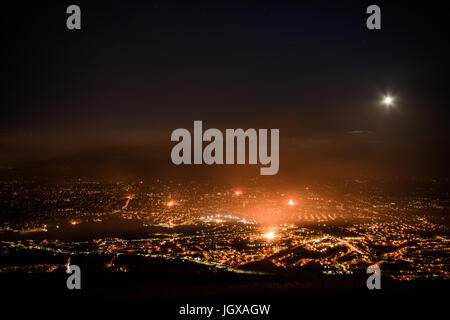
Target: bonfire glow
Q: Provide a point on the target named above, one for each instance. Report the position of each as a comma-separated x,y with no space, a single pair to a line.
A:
269,235
171,203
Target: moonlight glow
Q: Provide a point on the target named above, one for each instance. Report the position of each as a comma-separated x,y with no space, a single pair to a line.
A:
388,100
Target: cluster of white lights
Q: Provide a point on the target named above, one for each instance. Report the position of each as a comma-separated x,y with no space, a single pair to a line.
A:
226,218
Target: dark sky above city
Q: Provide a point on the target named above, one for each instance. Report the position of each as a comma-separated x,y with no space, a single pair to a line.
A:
104,100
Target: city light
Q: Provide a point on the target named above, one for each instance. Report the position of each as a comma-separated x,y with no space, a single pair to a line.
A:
238,192
268,223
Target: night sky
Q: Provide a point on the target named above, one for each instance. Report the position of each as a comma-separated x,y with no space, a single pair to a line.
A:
103,101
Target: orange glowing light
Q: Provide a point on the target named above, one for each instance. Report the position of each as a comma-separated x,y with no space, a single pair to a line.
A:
269,235
171,203
291,202
238,192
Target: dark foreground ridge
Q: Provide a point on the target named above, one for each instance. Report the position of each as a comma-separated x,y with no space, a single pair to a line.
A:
163,293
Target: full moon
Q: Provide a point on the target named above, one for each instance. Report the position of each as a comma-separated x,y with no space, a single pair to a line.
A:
388,100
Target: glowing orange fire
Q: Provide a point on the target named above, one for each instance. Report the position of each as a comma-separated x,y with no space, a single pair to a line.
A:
269,235
171,203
